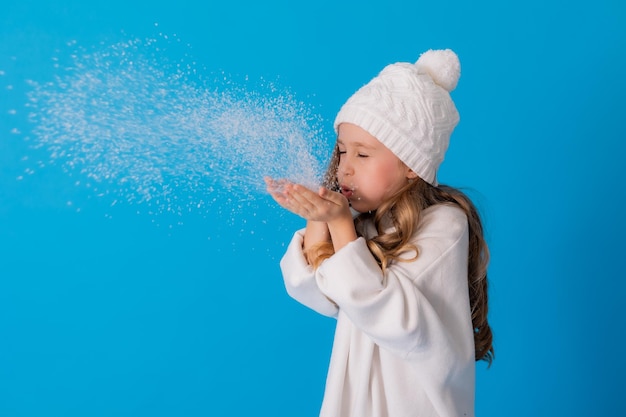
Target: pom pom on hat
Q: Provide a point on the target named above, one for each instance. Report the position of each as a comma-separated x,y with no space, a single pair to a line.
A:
408,108
443,66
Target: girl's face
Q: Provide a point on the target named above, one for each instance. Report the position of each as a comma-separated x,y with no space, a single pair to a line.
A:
368,172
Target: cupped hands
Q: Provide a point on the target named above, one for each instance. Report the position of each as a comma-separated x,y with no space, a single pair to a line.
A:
321,206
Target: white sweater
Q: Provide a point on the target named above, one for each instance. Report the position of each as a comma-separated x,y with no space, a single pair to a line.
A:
403,343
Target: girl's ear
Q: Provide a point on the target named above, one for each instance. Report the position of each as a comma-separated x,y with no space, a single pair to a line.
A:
411,175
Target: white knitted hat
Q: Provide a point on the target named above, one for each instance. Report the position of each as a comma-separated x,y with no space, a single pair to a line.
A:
408,108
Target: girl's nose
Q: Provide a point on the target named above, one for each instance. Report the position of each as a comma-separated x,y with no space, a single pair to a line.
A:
345,168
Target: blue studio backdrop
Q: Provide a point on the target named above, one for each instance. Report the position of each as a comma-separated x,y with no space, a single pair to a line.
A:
115,306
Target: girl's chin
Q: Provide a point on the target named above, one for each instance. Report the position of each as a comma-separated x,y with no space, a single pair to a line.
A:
359,207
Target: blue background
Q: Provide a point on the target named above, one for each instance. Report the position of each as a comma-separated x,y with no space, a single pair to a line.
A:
105,313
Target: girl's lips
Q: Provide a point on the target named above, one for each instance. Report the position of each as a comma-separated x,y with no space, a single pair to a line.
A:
346,191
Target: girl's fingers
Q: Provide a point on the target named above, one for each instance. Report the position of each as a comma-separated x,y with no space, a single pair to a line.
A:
304,195
274,186
287,195
332,196
277,190
304,202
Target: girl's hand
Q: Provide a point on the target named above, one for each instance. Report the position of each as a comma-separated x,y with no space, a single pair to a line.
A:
323,206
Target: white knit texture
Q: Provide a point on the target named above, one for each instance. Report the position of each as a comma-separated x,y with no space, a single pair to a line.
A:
407,109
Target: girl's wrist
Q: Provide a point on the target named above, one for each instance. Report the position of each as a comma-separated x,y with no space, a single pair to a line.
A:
342,231
315,232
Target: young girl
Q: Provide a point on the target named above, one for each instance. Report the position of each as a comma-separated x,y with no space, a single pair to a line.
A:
399,260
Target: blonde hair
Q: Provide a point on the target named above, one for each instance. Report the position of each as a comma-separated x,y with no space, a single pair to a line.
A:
405,211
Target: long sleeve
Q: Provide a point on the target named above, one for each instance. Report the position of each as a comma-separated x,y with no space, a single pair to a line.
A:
404,343
418,311
415,305
299,279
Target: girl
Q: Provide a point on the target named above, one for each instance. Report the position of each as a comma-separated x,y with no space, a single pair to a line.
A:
406,276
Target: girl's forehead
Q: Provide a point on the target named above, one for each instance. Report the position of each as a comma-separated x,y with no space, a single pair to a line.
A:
353,135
